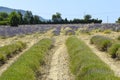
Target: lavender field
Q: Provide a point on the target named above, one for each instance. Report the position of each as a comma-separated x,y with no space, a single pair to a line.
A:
57,51
29,29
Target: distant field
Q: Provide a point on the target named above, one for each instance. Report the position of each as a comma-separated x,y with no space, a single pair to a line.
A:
29,29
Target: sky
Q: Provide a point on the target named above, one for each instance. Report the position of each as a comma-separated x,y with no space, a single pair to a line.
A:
107,10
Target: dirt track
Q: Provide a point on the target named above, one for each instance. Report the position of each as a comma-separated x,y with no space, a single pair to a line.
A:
59,63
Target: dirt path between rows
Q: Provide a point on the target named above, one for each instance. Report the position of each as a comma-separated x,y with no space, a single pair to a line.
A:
113,64
59,65
60,62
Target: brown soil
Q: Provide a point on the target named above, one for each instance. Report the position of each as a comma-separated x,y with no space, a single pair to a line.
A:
59,64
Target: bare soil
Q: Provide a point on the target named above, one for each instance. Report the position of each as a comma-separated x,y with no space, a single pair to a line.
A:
59,63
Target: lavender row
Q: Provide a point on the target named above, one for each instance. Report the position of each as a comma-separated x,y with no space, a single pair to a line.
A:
27,29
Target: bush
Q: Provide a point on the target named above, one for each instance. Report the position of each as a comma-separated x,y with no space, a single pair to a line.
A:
101,42
113,49
4,22
118,54
84,64
118,38
8,51
70,32
107,31
2,59
26,67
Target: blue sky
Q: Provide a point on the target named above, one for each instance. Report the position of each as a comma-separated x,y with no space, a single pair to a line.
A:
69,8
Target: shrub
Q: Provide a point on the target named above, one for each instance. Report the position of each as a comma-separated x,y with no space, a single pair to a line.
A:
26,67
8,51
118,38
85,31
4,22
107,31
118,53
2,59
101,42
113,49
70,32
84,64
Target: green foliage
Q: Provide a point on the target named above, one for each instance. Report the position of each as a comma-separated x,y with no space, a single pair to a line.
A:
118,38
1,18
113,50
13,19
84,64
8,51
118,21
16,18
28,18
118,54
57,17
27,65
2,59
3,15
101,42
108,31
87,17
20,16
4,22
36,19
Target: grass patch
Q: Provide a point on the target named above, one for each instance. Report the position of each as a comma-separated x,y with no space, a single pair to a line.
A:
26,66
84,64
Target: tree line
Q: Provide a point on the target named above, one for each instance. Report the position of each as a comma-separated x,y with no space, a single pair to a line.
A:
17,18
56,18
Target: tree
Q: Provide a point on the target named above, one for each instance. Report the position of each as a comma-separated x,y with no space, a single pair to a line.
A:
28,18
3,15
66,20
118,21
13,19
1,18
57,17
87,17
36,19
20,18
